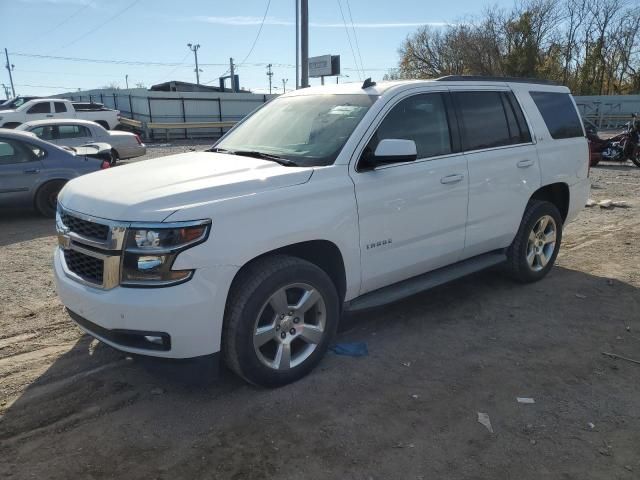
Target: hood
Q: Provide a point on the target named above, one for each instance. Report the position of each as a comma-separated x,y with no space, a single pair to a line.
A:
151,190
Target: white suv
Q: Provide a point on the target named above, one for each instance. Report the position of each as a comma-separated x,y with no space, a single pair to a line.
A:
325,199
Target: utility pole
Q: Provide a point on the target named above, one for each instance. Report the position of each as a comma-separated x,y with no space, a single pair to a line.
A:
126,80
284,85
6,91
194,49
10,67
269,74
304,42
233,75
297,44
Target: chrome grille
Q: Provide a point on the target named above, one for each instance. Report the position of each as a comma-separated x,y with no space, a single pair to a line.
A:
85,228
90,269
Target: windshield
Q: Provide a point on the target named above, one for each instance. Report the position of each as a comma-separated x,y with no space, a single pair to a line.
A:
309,130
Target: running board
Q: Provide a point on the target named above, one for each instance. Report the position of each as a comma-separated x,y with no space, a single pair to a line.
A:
423,282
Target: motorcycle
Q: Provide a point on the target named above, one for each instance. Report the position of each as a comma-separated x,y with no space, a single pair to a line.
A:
620,148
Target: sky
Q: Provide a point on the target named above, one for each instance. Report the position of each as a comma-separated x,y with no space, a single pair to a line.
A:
151,36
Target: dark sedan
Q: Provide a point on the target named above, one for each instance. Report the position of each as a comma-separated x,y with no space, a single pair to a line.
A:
33,171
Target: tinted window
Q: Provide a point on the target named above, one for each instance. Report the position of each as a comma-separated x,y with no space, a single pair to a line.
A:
72,131
60,107
421,118
12,152
42,107
518,129
484,120
559,114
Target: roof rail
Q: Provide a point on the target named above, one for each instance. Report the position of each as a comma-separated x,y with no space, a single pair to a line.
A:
482,78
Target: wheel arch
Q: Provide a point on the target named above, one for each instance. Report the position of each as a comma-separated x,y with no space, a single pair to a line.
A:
45,182
104,124
323,253
556,193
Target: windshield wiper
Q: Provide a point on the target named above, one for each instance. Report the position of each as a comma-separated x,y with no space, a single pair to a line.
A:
256,154
265,156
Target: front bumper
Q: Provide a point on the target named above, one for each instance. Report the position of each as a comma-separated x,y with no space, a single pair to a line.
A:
189,314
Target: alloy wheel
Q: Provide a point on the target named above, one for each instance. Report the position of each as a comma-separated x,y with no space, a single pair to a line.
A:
541,243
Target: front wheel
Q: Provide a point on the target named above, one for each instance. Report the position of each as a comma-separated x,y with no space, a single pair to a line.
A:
635,157
281,315
46,199
536,245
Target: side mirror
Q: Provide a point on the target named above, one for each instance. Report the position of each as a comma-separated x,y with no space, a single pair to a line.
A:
392,150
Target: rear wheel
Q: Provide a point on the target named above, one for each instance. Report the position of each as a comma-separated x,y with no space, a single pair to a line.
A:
535,248
635,156
46,199
114,156
282,313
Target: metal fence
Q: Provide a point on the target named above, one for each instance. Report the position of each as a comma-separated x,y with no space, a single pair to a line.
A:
155,108
608,111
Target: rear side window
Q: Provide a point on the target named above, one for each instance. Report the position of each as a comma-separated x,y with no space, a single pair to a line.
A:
485,120
518,129
42,107
73,131
60,107
559,114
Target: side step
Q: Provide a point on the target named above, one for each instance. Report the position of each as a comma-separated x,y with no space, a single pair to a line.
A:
428,280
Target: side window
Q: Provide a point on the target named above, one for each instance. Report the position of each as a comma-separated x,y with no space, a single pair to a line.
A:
559,114
421,118
512,107
44,132
60,107
485,120
12,152
42,107
72,131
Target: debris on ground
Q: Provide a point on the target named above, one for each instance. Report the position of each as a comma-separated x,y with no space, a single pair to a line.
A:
157,391
483,418
404,445
415,397
354,349
616,356
591,425
581,296
406,364
608,203
525,400
590,203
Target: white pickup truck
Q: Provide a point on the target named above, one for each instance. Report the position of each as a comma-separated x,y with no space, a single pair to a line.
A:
326,199
48,108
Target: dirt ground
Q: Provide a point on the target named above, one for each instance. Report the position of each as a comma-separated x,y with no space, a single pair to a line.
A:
73,408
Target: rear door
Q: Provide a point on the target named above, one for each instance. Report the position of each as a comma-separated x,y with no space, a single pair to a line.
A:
412,215
20,170
39,111
503,166
60,110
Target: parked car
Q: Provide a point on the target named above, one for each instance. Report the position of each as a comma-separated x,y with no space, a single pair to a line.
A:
326,199
33,171
45,108
15,102
79,132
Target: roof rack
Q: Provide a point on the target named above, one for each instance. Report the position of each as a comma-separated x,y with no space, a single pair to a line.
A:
481,78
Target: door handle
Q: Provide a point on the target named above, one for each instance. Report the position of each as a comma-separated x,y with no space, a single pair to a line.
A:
32,171
525,163
455,178
50,116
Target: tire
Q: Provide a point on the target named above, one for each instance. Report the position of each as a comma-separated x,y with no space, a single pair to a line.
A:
47,197
533,253
635,157
256,355
114,157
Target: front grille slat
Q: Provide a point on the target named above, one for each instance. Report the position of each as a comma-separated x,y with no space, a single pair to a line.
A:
88,268
85,228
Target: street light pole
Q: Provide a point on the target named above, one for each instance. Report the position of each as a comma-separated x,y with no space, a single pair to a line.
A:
304,42
126,79
297,43
284,85
194,49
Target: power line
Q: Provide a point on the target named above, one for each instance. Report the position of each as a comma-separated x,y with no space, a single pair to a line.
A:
346,29
355,36
44,86
255,40
98,27
55,27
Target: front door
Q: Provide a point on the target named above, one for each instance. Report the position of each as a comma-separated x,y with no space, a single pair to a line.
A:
19,172
39,111
412,215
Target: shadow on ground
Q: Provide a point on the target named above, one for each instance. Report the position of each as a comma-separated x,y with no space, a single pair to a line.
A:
408,410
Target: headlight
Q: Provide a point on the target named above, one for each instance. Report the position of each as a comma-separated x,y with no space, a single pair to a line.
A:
151,249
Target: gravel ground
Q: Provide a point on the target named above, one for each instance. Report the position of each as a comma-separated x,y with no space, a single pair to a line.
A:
73,408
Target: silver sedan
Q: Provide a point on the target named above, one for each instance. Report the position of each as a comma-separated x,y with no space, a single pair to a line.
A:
73,133
33,171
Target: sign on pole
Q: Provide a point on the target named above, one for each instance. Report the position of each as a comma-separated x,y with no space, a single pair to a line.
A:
324,66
